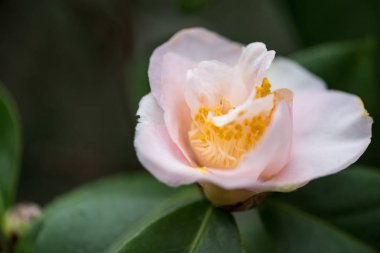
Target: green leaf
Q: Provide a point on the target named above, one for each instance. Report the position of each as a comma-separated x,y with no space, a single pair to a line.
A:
340,213
255,237
296,231
196,227
325,20
347,66
192,6
10,149
121,213
104,210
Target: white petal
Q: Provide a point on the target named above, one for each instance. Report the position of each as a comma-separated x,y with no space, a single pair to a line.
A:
176,112
211,81
254,61
195,45
331,131
155,149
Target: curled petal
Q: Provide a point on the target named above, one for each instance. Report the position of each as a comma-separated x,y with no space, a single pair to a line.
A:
210,81
195,45
150,113
254,61
176,112
336,133
155,149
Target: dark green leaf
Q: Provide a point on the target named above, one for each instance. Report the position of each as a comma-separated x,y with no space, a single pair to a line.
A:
255,237
10,147
325,20
347,66
340,213
123,212
192,6
196,227
295,231
91,218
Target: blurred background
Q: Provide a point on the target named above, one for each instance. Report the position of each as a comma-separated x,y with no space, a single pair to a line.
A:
77,69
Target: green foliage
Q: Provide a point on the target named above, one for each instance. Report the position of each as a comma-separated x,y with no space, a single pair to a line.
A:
339,213
347,66
192,6
296,231
326,20
10,148
138,214
195,227
132,214
254,235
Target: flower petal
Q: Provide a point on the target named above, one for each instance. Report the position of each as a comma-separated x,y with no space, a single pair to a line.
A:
155,149
267,158
285,73
194,44
176,112
250,108
254,61
331,131
211,81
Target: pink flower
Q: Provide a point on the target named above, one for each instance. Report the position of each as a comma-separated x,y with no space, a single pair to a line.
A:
239,122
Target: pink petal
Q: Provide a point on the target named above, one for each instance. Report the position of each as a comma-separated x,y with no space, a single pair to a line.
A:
194,44
155,149
253,62
210,81
331,131
176,112
267,158
285,73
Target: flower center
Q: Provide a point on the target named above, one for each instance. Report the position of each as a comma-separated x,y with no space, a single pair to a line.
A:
224,146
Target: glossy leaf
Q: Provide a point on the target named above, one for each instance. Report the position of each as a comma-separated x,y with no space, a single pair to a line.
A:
125,212
254,235
91,218
10,148
196,227
340,213
347,66
296,231
326,20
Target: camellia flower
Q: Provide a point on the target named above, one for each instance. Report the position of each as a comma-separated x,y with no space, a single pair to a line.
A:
239,122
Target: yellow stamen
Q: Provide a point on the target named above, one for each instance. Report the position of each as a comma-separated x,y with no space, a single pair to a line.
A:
264,89
223,147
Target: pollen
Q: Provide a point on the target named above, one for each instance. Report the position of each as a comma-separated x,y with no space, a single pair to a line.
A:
264,89
224,146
